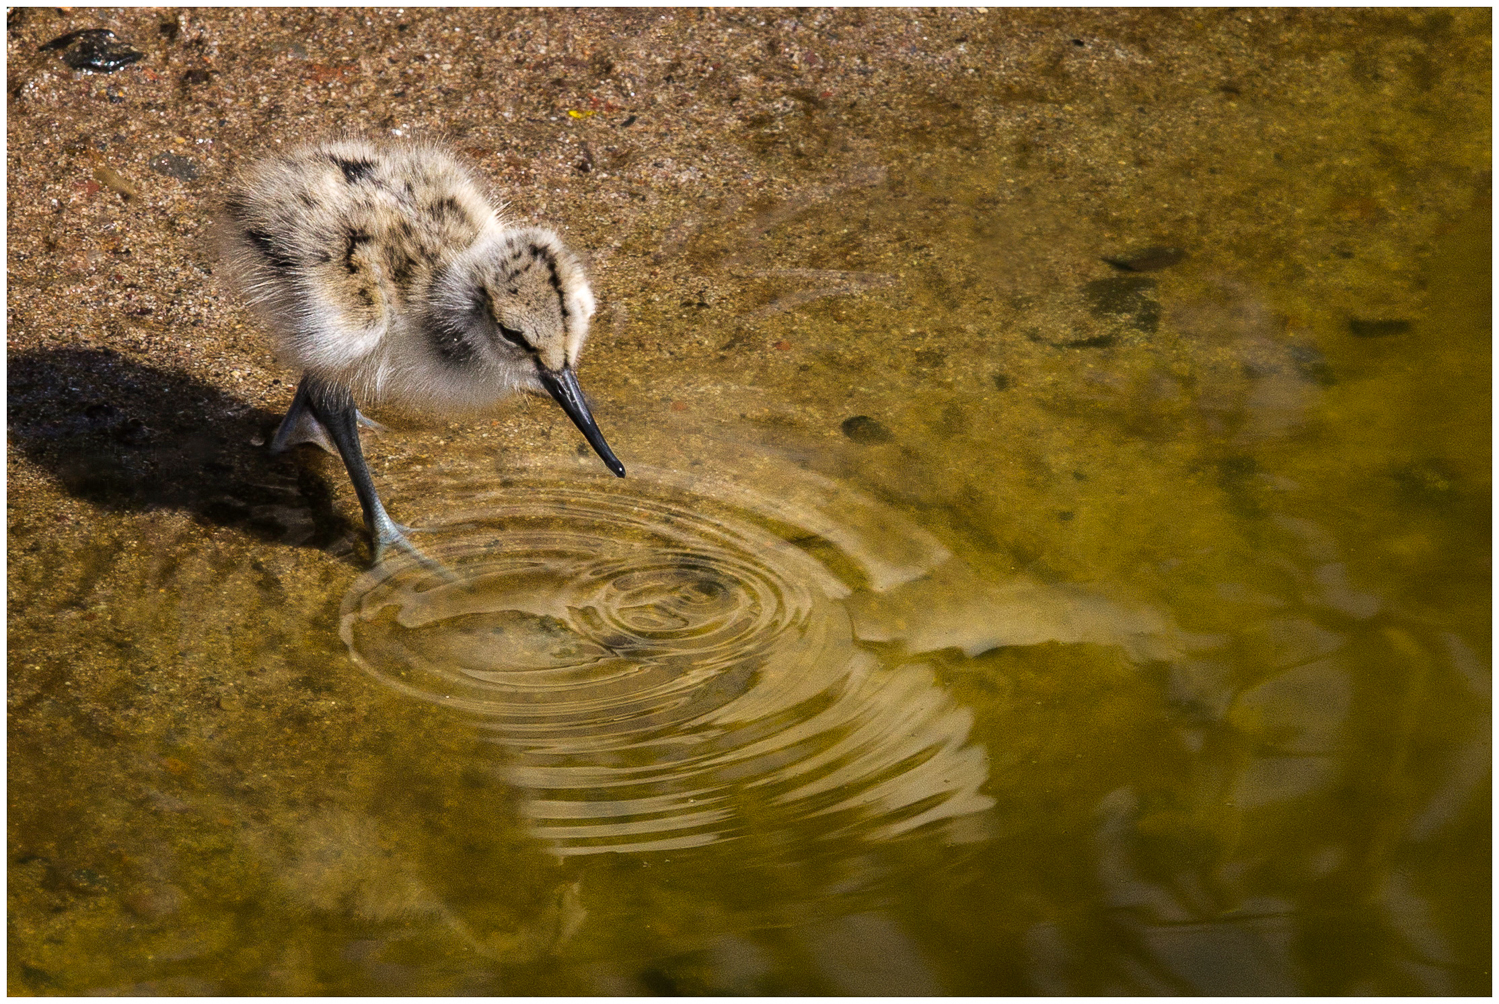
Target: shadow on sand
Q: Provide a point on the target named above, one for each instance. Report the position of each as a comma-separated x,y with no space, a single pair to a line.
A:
131,438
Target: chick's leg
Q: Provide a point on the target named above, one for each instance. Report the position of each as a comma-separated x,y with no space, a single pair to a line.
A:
333,408
301,426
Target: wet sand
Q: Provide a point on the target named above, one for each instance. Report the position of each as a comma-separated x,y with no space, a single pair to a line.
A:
1129,300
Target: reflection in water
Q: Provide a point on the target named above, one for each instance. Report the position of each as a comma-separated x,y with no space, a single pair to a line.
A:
779,700
667,667
667,671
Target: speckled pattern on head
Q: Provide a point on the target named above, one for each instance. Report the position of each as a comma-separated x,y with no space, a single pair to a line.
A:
383,267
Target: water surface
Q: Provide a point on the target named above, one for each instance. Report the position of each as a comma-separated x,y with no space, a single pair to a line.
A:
1055,559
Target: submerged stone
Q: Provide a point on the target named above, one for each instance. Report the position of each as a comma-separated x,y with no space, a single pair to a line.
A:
94,49
867,431
175,166
1149,259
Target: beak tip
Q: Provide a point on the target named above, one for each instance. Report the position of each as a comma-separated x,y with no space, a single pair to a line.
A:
563,386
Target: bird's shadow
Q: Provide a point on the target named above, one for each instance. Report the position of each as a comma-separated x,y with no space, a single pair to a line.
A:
127,437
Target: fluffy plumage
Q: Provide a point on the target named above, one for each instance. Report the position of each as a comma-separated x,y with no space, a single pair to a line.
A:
384,268
385,275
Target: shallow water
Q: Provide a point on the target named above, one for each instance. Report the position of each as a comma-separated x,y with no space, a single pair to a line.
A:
667,673
978,616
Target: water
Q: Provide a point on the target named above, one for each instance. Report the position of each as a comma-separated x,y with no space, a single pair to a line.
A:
977,616
669,674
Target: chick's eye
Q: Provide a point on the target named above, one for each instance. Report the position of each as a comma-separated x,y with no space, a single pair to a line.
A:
515,337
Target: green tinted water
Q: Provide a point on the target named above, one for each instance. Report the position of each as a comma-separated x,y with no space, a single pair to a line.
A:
978,617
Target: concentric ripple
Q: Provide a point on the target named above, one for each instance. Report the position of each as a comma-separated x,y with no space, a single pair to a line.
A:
670,662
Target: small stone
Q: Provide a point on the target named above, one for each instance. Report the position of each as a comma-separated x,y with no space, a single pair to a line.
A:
866,431
1149,259
94,49
175,166
230,702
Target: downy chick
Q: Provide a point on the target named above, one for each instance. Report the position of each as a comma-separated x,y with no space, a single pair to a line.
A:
386,276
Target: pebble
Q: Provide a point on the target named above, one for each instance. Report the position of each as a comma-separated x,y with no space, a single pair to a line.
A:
94,49
1150,259
866,431
175,166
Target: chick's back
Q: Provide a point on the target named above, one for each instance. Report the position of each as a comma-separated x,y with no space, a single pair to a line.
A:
338,244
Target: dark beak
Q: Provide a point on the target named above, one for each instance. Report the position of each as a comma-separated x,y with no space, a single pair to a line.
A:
563,386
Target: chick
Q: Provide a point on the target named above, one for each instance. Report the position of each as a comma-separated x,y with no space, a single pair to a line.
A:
386,276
